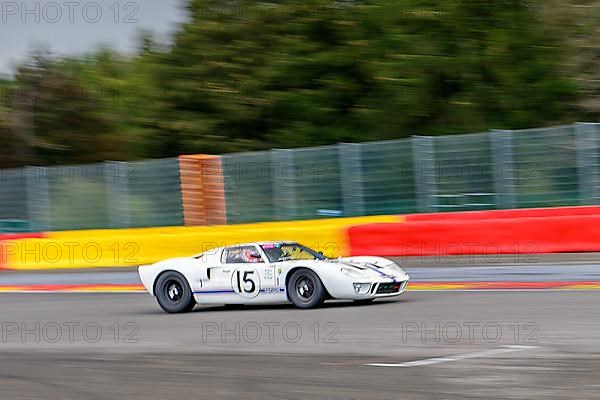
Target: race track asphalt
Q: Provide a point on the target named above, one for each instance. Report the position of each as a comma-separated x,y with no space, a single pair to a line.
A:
436,345
587,272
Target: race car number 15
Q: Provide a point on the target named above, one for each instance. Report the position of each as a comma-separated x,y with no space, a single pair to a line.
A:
246,282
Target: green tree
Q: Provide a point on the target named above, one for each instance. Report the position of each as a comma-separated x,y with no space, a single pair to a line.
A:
245,75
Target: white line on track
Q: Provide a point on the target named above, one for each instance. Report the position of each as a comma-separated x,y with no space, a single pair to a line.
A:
458,357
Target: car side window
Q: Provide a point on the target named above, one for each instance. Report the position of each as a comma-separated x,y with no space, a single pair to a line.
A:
242,255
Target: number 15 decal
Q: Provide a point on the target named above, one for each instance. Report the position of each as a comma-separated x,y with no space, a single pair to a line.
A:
246,282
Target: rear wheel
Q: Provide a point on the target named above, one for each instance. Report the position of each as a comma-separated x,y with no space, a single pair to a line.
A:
305,289
173,293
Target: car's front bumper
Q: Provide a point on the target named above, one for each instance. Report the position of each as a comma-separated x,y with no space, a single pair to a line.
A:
376,289
388,289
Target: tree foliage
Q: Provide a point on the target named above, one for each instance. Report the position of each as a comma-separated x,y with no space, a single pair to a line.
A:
246,75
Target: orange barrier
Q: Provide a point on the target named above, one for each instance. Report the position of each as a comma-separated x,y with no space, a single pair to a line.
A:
513,213
202,190
575,233
11,237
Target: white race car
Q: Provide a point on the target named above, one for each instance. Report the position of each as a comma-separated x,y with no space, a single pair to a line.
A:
266,273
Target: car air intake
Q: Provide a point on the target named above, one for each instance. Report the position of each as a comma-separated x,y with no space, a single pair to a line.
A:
385,288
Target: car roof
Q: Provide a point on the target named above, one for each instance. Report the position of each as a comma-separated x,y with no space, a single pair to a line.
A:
281,242
260,243
255,243
276,241
219,249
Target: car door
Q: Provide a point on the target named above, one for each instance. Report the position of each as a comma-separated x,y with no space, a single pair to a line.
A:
250,274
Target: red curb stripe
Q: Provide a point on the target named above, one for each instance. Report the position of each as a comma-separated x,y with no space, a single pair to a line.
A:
502,285
72,288
442,285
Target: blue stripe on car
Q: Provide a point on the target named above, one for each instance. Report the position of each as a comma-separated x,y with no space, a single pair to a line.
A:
380,273
274,290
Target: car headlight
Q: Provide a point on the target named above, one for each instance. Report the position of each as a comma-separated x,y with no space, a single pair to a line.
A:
362,288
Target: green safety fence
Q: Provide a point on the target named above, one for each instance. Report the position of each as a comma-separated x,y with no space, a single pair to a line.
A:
541,167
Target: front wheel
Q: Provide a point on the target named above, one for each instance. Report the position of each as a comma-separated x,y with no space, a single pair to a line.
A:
173,293
305,289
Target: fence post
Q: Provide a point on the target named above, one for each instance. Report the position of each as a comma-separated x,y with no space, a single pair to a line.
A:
423,154
117,193
285,175
586,144
38,198
501,148
351,178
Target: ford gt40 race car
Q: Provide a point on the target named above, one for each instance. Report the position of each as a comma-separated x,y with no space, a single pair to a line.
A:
273,272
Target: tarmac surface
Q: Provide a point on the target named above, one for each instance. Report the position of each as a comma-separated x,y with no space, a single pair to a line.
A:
423,345
544,272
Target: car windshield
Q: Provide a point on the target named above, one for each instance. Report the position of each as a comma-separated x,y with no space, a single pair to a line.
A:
290,252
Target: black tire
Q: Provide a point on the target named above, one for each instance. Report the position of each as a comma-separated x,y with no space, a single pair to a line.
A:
363,302
173,293
305,289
